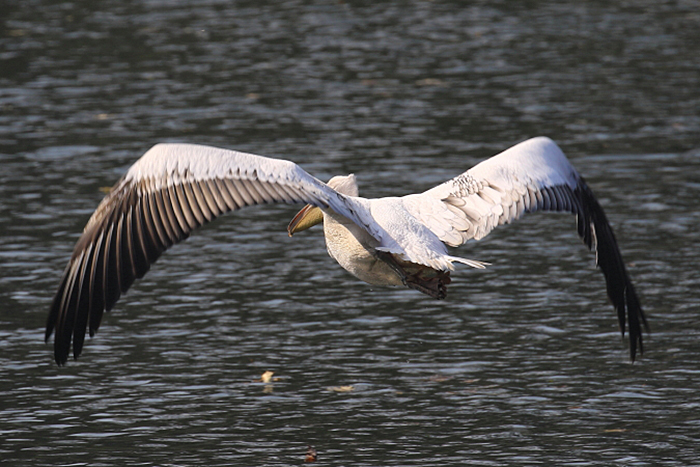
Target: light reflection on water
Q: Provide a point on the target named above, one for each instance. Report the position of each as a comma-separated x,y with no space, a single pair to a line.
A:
521,365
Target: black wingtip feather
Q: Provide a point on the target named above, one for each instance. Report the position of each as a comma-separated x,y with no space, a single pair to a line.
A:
82,313
594,225
56,306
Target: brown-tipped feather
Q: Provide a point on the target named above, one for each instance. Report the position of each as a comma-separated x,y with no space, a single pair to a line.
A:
154,219
211,192
201,202
83,301
163,210
146,238
208,199
233,191
193,204
97,285
182,213
226,195
244,194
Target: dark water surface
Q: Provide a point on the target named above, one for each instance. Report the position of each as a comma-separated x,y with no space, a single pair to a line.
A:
521,365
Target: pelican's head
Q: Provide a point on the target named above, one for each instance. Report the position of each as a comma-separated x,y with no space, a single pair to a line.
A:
345,184
311,215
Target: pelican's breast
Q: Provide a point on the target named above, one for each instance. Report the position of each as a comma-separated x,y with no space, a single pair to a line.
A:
353,248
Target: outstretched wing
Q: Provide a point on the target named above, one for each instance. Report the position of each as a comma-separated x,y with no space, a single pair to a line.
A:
170,191
531,176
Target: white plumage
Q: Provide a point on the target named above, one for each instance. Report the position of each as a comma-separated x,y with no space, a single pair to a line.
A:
174,188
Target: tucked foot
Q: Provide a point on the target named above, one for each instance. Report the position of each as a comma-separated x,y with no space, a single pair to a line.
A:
418,277
435,286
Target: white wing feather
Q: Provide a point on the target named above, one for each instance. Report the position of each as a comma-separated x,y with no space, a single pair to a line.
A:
496,191
274,180
170,164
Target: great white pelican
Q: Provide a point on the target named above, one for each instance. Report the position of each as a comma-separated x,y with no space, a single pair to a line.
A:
396,241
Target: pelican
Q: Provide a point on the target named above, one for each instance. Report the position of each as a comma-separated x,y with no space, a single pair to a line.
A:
395,241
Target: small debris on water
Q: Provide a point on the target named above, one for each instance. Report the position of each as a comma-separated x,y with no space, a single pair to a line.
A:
311,454
341,388
439,378
267,378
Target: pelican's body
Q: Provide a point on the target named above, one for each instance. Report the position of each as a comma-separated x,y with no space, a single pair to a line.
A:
394,241
355,250
348,243
363,256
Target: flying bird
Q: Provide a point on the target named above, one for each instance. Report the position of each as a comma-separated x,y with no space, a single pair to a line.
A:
395,241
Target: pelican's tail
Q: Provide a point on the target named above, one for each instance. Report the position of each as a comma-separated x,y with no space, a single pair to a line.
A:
469,262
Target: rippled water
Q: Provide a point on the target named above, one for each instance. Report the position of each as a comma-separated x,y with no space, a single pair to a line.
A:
521,365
